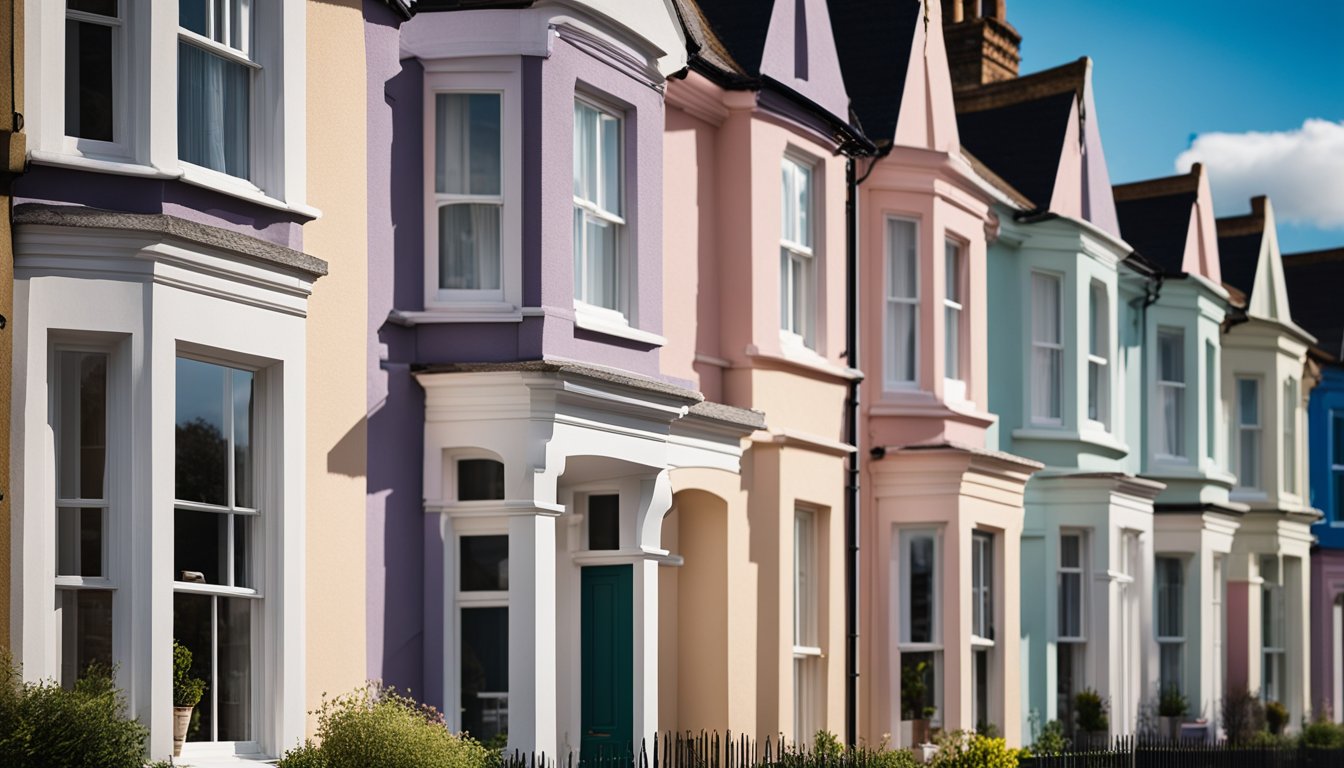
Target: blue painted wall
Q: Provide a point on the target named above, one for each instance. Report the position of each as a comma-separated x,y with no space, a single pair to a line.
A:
1326,399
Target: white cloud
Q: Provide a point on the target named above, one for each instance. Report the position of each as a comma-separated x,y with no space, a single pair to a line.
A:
1301,170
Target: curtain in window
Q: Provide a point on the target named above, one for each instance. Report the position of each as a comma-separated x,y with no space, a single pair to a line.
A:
469,246
902,304
213,111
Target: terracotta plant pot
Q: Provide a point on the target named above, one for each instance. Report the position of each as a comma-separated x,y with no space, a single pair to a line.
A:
181,721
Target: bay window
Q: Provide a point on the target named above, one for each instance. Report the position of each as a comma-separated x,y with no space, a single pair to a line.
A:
953,308
982,625
1070,638
483,634
1170,440
902,304
1248,432
94,45
468,190
215,69
216,527
797,263
1273,632
1047,349
84,587
1290,402
920,630
1170,577
807,673
600,274
1098,355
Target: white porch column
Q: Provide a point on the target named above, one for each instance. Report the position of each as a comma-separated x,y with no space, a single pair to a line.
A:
532,625
646,650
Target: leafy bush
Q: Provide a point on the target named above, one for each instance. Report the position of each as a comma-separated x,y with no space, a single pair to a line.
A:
43,725
378,727
960,749
1322,734
1276,716
827,750
187,690
1051,740
1172,703
1091,711
1243,716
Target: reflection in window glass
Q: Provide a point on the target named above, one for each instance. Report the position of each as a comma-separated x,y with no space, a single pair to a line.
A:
79,542
90,50
485,563
485,671
202,444
604,521
84,617
480,480
921,588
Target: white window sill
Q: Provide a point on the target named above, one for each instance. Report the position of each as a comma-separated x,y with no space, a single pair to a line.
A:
954,391
806,651
101,164
980,642
1089,435
1247,494
242,189
466,312
612,323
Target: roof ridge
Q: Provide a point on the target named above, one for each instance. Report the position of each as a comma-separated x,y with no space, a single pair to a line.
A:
1159,187
1322,256
1037,85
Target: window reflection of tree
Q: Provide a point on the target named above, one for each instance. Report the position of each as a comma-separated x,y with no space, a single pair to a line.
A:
202,463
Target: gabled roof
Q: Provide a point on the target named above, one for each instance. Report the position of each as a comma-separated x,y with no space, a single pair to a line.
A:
1021,140
741,26
704,45
1314,279
877,40
1240,239
1170,221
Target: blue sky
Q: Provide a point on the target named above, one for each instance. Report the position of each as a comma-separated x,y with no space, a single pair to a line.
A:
1166,71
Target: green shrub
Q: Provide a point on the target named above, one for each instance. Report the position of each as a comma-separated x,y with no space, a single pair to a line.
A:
1091,711
43,725
1243,716
1276,716
378,727
187,690
827,750
1051,740
969,750
1172,703
1322,734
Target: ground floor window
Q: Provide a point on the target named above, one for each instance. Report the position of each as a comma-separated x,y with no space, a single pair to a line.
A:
1068,681
921,685
483,633
1170,574
1272,632
980,689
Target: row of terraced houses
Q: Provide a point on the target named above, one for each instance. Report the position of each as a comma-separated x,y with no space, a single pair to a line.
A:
592,368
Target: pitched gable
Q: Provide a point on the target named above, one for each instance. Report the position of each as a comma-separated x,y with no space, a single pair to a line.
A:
1170,221
1248,247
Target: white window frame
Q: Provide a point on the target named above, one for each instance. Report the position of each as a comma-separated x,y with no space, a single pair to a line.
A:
496,74
1080,571
934,645
1274,650
982,591
1175,640
1291,402
807,654
1055,348
1211,369
465,599
1251,481
145,85
119,149
1098,355
800,300
259,707
892,378
955,290
1180,389
625,311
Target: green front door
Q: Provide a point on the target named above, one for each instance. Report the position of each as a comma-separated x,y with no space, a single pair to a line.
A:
608,664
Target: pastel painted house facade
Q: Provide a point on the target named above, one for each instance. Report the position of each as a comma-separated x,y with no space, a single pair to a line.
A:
173,295
1181,440
1265,390
525,436
1065,359
753,621
1311,280
941,509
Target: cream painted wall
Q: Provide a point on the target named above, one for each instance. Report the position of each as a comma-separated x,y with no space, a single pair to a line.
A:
337,183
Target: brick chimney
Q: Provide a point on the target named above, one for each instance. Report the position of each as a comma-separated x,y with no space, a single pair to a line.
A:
982,47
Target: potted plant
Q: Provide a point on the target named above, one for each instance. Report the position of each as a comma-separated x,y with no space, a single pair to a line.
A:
1276,716
915,714
187,691
1090,709
1171,709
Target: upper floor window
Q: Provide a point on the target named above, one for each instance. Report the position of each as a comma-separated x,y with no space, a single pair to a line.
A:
1171,392
600,273
1047,349
1211,400
215,68
468,189
902,303
93,50
1248,432
797,266
953,307
1098,355
1290,399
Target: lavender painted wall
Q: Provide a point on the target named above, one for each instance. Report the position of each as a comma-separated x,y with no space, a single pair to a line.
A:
132,194
1327,585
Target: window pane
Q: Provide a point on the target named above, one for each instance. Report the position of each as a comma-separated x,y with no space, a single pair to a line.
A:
901,332
480,480
1096,321
601,284
1045,308
192,15
1171,355
100,7
200,546
1337,434
485,563
1170,665
804,590
952,350
213,111
467,143
925,666
921,589
85,621
79,542
1070,605
1170,597
242,439
604,521
902,263
469,246
1248,401
1094,381
1173,420
193,627
83,425
610,198
1068,680
202,446
981,685
485,671
88,81
1070,551
788,211
235,669
585,152
1248,455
